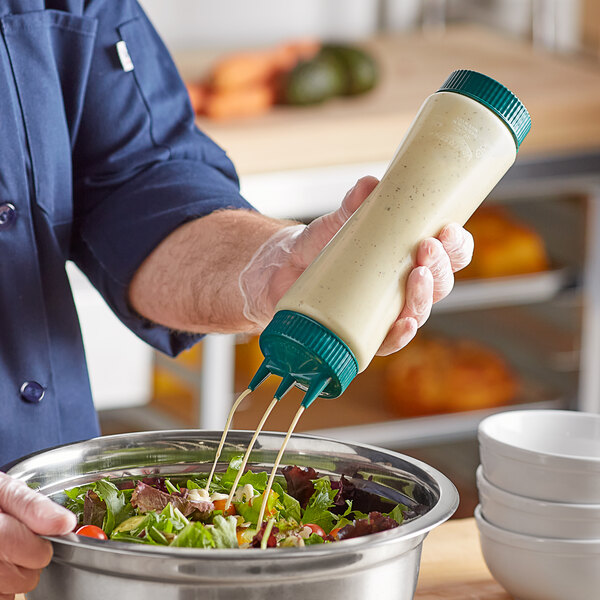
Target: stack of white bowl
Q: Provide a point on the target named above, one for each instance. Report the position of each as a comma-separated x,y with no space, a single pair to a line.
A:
539,511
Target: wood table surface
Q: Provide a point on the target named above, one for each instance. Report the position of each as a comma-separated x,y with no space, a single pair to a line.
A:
561,93
452,567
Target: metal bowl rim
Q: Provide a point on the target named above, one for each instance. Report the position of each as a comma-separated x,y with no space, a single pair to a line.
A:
440,512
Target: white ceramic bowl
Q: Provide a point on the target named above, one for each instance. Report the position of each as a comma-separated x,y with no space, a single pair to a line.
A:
537,517
549,455
535,568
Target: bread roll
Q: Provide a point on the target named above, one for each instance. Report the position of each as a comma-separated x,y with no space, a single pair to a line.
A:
441,375
503,246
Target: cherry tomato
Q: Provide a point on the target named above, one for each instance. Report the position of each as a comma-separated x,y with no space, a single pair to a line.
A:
220,505
334,532
316,529
92,531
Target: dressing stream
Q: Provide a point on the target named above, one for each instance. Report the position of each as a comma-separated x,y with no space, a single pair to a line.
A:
267,491
225,430
241,470
248,450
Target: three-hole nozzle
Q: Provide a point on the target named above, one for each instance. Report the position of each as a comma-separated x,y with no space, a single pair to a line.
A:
288,381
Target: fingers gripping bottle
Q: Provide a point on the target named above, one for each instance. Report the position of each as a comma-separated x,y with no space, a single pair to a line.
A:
330,323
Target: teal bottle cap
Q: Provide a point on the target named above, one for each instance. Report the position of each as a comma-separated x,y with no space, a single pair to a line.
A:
306,354
495,96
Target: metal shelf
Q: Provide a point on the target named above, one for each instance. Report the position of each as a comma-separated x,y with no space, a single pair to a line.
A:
506,291
422,431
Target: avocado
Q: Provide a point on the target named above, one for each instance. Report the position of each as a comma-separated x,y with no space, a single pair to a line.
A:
359,67
313,81
335,71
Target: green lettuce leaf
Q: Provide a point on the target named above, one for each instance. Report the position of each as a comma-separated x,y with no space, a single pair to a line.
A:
194,535
153,528
224,532
257,480
172,489
289,506
312,539
249,510
200,483
397,513
317,509
285,525
228,477
76,500
117,507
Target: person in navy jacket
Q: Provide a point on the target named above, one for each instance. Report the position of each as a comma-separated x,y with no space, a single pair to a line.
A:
101,164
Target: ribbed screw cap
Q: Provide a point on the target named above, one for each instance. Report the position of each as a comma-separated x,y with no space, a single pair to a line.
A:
294,344
495,96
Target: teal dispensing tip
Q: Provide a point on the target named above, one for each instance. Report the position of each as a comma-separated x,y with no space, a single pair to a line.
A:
287,383
260,375
314,391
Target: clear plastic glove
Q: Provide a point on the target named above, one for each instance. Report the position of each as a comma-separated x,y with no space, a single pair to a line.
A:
284,256
23,514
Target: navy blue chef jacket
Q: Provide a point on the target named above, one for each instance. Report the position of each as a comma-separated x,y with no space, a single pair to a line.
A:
98,164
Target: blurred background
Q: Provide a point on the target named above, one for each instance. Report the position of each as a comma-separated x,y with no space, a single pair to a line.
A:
521,328
231,24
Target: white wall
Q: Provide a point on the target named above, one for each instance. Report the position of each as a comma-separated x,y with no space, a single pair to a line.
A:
229,24
186,24
554,24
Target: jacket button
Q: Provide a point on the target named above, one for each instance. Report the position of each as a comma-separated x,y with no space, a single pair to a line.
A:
32,391
8,215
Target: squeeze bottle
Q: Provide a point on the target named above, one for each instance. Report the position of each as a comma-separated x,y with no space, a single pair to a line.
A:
332,320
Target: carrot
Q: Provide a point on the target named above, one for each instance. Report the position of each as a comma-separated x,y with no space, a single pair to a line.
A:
220,505
287,56
243,69
245,84
259,66
243,102
197,93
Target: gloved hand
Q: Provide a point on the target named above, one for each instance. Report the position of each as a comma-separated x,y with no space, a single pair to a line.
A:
23,514
284,256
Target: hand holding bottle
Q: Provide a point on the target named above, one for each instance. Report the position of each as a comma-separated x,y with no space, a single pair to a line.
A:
281,260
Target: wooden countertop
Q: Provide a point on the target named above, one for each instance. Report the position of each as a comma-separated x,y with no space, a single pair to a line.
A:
452,567
561,93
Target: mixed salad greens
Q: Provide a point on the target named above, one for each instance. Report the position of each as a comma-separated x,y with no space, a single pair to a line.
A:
303,508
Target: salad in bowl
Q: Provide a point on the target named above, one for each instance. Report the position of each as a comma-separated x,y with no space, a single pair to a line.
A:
303,508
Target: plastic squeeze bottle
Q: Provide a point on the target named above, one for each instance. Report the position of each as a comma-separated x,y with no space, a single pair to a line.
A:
331,322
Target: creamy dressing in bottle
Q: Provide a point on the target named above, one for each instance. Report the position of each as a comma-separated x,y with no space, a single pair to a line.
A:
331,322
454,154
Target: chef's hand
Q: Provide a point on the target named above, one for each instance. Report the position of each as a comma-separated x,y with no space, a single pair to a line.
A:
282,258
23,514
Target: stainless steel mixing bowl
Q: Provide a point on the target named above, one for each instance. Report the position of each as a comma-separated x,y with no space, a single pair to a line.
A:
381,565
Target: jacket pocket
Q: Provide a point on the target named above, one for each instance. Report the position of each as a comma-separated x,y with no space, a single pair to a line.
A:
159,84
50,53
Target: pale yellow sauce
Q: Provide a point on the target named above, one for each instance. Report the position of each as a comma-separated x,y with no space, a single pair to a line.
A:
225,430
263,506
248,450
